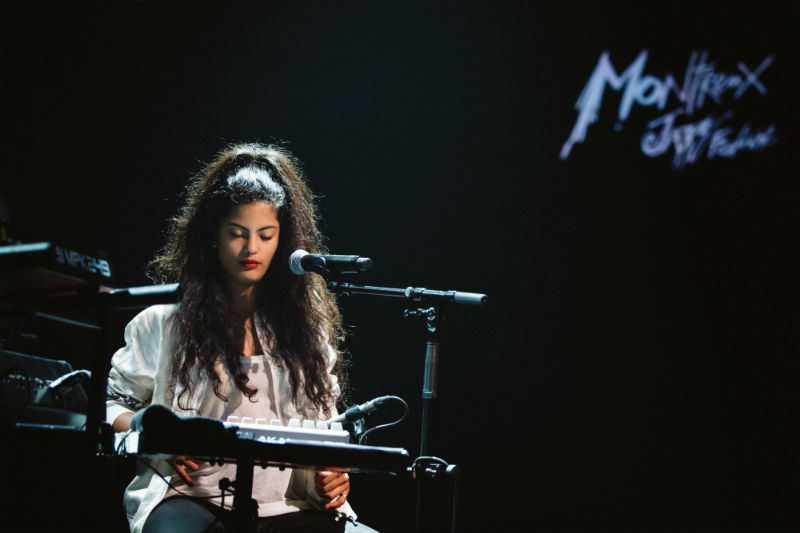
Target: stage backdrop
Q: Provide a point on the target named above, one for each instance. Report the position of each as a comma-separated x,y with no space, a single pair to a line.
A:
618,177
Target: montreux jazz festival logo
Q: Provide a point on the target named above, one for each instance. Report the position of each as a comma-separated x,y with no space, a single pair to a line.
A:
690,135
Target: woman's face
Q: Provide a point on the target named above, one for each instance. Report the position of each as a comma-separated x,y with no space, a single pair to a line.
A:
248,238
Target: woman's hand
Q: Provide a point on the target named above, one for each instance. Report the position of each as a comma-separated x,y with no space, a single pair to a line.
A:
334,486
180,463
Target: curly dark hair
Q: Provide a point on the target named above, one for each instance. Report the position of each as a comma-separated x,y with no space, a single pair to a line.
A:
298,312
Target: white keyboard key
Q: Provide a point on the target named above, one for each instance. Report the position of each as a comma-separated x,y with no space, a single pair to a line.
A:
306,430
247,420
321,424
336,426
261,421
233,419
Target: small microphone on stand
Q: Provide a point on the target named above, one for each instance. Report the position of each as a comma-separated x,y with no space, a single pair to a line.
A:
357,412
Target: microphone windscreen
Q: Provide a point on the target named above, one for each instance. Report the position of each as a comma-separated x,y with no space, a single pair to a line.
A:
296,262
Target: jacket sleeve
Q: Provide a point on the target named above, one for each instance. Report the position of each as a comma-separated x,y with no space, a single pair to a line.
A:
133,367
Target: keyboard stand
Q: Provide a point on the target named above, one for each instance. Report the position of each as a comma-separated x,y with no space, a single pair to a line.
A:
245,508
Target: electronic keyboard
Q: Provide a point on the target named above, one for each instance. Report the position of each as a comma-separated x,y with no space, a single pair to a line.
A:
163,434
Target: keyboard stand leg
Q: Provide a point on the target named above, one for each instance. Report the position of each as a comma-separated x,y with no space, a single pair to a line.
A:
245,508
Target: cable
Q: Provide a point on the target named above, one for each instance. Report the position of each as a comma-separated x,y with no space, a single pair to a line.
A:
430,458
217,518
173,487
121,451
121,446
363,436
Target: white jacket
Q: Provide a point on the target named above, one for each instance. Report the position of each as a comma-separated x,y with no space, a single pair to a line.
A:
140,375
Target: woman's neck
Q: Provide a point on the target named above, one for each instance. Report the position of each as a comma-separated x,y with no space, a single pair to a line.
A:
243,303
243,300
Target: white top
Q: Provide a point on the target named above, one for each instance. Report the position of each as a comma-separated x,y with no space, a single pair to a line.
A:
139,376
277,492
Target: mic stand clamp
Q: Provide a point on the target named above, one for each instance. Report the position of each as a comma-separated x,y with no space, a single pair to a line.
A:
431,468
358,428
415,313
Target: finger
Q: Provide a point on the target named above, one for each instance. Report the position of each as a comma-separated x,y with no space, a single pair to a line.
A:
341,490
336,482
184,475
332,477
321,478
334,489
338,502
191,464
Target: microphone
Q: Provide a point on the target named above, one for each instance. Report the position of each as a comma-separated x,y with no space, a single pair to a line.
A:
302,262
358,412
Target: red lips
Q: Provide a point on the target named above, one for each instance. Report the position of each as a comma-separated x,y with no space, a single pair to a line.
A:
250,264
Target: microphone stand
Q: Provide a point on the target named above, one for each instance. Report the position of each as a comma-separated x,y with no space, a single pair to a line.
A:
426,467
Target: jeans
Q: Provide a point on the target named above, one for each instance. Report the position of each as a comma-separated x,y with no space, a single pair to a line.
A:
190,515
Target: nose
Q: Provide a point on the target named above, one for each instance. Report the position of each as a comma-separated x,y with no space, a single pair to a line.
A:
252,244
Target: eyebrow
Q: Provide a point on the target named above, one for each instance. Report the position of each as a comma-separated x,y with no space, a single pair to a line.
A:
246,229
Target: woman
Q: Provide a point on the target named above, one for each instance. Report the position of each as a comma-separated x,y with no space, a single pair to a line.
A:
248,339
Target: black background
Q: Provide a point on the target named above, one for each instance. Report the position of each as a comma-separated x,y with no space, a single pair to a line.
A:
637,365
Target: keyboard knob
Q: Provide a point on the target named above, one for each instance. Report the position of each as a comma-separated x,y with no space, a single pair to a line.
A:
294,422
